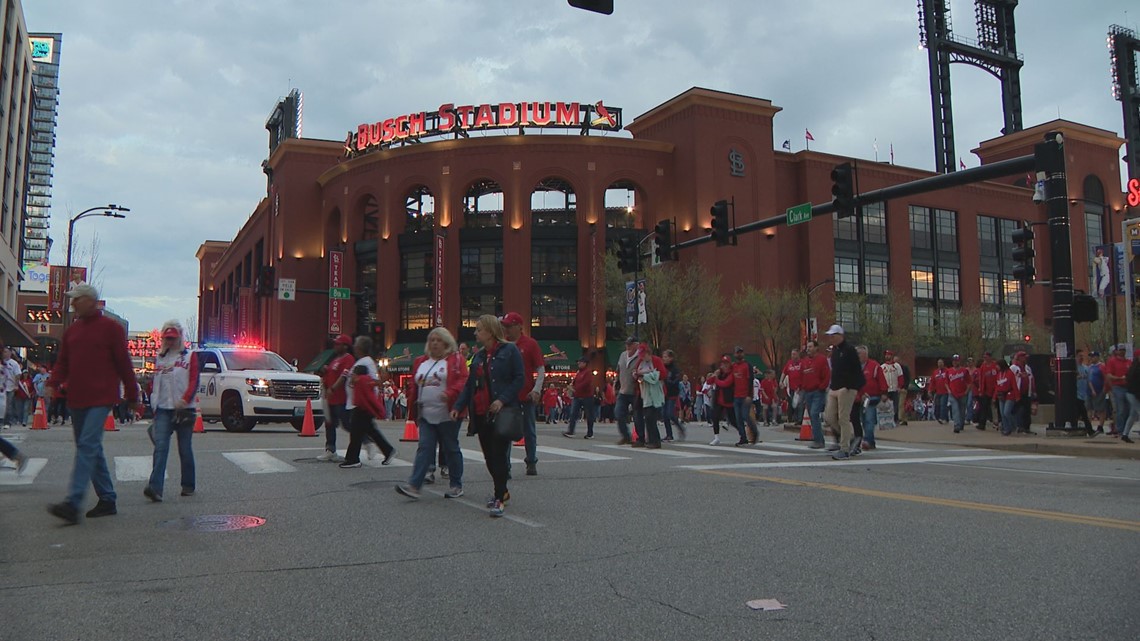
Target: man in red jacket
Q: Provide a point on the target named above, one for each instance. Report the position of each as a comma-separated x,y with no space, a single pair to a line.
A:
742,394
791,372
93,361
584,391
958,383
874,386
815,374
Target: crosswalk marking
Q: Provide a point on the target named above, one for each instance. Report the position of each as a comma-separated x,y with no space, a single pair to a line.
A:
8,475
133,468
743,450
661,452
580,454
258,462
828,462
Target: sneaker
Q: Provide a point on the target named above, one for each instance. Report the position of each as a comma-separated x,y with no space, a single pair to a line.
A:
496,509
453,493
443,473
855,451
834,447
715,441
430,478
531,470
816,446
506,497
346,465
623,441
21,463
840,456
588,436
408,491
187,492
327,455
65,511
667,439
1126,439
149,492
388,459
568,434
102,508
868,446
742,443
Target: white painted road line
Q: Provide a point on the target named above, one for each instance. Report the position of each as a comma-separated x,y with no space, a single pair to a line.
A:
258,462
1028,471
133,468
477,456
751,449
8,475
586,456
483,508
661,452
867,461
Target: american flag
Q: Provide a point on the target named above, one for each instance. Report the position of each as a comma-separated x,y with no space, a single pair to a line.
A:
807,135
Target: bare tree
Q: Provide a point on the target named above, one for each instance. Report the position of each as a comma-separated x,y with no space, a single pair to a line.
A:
89,256
190,328
773,317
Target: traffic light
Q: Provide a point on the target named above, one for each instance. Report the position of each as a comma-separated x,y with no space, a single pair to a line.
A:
1027,338
664,238
843,189
719,212
376,331
1023,254
1085,309
264,286
597,6
627,255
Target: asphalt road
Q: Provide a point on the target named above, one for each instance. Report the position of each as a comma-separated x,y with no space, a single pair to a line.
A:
915,542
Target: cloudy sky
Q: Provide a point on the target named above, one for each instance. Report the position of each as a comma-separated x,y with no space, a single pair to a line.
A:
163,103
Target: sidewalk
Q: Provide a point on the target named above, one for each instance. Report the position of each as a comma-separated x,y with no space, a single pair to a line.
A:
1101,446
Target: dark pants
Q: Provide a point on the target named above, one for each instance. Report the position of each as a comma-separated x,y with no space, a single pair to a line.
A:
894,396
1022,412
857,421
577,407
58,409
648,428
362,428
338,417
8,450
728,414
496,451
1083,414
984,415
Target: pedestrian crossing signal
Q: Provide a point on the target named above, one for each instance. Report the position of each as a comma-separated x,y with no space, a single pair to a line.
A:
1027,338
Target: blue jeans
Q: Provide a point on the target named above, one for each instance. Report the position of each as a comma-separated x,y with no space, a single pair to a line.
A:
940,408
1008,416
970,406
870,420
338,417
90,464
621,413
1120,407
163,429
741,406
577,407
958,412
815,401
446,435
1133,415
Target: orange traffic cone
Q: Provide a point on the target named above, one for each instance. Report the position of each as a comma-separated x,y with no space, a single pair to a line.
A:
411,432
199,427
109,424
805,429
308,427
39,420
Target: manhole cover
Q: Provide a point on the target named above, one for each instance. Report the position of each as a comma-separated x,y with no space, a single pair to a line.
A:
213,523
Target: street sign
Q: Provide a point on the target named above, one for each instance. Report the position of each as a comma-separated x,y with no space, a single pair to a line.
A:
286,289
340,293
799,214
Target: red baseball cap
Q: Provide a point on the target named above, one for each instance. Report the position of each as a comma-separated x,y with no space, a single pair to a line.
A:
512,318
171,332
343,339
888,353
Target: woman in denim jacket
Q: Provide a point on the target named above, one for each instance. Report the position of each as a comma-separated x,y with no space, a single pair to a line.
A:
499,364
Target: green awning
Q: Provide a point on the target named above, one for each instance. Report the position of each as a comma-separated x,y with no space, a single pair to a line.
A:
320,361
560,356
755,360
401,356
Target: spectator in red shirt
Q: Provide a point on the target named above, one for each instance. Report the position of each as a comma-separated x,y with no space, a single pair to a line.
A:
334,375
769,399
939,385
93,361
985,384
534,372
742,395
722,400
792,382
1008,393
1115,371
815,373
874,387
584,392
958,383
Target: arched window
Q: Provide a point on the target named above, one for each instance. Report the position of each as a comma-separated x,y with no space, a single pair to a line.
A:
624,205
553,202
419,206
483,204
370,218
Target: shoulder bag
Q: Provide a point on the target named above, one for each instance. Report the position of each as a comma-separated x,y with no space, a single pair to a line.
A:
509,419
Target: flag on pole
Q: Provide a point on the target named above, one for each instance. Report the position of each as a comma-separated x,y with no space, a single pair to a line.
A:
875,145
787,145
961,163
808,136
892,153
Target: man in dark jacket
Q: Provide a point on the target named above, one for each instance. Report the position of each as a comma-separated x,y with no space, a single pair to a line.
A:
846,381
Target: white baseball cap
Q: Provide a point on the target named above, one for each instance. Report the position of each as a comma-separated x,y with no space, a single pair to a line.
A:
835,329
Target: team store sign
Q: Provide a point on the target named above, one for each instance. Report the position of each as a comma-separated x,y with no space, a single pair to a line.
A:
452,119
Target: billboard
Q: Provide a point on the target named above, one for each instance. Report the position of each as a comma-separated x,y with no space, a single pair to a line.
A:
36,278
59,284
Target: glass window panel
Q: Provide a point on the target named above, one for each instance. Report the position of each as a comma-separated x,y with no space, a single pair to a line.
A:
847,275
555,308
919,228
846,314
876,278
415,313
946,230
472,307
1005,241
948,284
923,320
948,321
987,236
922,282
844,228
991,324
1012,292
989,287
1014,324
875,223
1094,230
554,265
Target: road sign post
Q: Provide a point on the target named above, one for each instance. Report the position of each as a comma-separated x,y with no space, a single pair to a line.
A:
799,214
287,289
340,293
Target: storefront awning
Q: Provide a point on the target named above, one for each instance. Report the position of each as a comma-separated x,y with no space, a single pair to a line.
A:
755,360
560,356
401,356
12,333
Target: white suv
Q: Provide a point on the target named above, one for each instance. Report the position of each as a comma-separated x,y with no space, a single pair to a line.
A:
244,386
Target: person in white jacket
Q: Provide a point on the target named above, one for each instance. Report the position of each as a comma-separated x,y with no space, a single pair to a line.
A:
173,400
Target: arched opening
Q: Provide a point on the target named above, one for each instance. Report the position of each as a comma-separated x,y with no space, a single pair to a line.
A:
483,204
419,208
1097,233
370,218
625,203
553,202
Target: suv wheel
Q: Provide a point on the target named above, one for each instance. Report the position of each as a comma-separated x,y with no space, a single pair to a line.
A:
233,419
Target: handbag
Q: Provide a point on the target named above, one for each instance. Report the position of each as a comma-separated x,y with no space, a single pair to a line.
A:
509,423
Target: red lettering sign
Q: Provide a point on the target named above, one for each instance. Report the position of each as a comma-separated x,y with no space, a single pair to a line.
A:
1134,192
336,279
439,249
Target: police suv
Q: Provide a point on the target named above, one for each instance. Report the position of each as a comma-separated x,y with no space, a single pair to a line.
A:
244,386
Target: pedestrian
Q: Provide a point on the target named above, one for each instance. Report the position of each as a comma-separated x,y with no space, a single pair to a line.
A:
1083,393
769,399
550,404
939,384
870,395
700,394
535,374
722,390
1097,401
1132,384
334,381
584,392
686,396
649,373
363,404
23,397
9,376
12,453
814,379
1008,392
401,405
972,391
1028,391
625,390
958,385
496,378
987,379
893,372
846,381
742,394
670,414
174,402
92,362
1115,371
609,401
439,376
792,383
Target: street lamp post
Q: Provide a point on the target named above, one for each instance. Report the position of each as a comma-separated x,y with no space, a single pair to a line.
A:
810,291
112,211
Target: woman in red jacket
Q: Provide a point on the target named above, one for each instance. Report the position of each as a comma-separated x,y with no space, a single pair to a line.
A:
722,407
1008,394
439,376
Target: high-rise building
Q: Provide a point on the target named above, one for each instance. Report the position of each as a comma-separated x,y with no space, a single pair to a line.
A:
41,157
15,137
